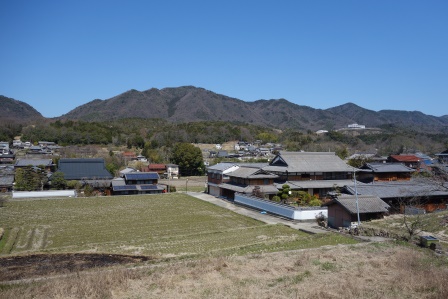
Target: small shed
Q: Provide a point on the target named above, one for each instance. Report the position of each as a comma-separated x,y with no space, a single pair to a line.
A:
342,210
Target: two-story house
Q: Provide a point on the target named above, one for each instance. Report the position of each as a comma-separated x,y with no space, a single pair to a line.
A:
411,161
137,183
216,175
314,172
384,172
246,179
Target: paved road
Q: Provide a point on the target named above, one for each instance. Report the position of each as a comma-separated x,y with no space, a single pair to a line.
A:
309,227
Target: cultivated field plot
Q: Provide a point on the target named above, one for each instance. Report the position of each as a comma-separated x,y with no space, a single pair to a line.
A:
163,226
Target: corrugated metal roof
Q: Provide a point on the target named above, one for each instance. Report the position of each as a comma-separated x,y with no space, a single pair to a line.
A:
308,162
157,166
366,204
404,158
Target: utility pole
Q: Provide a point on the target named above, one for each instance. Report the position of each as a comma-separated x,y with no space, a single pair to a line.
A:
356,195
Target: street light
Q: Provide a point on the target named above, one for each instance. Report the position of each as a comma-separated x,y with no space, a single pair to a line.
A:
186,186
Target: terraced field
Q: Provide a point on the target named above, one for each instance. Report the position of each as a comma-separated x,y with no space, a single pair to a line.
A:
168,225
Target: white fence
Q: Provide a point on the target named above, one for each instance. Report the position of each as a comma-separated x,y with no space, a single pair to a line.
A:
38,194
302,213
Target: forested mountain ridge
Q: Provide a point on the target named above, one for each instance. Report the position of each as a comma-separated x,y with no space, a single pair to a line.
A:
192,104
11,109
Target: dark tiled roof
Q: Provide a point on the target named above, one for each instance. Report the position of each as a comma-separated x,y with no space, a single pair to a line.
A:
33,162
399,189
268,189
137,188
387,167
366,204
84,169
6,180
318,184
251,173
308,162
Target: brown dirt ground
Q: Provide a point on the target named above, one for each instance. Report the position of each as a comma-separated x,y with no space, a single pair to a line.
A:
38,265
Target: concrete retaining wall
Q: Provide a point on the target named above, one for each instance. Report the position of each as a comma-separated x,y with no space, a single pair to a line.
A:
280,209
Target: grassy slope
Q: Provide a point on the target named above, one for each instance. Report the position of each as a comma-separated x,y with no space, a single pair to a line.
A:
375,270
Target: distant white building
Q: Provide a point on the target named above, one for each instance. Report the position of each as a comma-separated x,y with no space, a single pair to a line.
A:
356,126
321,131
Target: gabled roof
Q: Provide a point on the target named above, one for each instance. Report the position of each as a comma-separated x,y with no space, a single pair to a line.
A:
398,189
267,189
308,162
33,162
318,184
84,169
6,180
386,167
251,173
366,204
127,170
129,154
141,176
157,166
221,167
444,153
136,187
404,158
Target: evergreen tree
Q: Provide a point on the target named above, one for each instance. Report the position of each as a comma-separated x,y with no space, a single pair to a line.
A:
189,159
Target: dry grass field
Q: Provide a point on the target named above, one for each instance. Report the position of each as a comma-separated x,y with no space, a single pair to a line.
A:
365,270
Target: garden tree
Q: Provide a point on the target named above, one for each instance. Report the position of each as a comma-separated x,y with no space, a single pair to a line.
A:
73,184
30,178
152,152
305,199
414,220
284,194
257,192
342,153
113,164
359,161
58,181
189,159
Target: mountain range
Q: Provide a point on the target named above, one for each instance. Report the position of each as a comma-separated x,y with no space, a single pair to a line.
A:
190,104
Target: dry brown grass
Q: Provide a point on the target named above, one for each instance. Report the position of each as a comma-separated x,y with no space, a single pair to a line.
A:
355,271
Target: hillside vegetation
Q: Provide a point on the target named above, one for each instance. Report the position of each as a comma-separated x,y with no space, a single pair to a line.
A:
190,104
156,136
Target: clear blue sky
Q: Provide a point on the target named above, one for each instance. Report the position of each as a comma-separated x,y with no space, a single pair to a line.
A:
57,55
